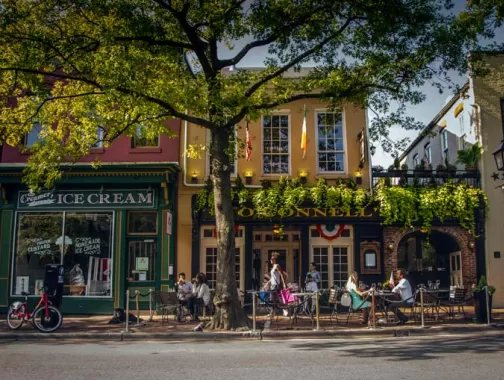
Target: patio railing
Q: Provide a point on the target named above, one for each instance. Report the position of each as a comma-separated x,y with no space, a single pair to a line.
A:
427,177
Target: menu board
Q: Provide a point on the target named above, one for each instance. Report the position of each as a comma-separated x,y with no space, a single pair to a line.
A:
87,246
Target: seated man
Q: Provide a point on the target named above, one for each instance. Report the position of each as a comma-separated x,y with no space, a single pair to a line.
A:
403,288
185,289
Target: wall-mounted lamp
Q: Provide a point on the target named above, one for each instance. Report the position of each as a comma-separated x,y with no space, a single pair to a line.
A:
303,175
277,229
390,246
358,177
248,177
471,244
194,177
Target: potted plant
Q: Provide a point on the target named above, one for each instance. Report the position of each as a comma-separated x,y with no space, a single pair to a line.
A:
422,167
470,157
395,169
480,300
404,168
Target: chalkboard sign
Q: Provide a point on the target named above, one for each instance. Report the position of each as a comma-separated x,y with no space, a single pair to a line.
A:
87,246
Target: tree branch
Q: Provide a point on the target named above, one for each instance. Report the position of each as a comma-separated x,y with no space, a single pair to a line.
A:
154,42
298,59
198,44
171,110
53,74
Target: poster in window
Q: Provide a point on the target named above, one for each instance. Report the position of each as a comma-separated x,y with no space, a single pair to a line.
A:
370,259
142,263
39,287
22,284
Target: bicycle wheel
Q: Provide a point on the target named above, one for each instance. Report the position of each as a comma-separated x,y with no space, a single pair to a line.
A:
47,323
15,316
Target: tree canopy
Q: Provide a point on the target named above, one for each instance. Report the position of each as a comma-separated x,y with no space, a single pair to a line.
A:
75,65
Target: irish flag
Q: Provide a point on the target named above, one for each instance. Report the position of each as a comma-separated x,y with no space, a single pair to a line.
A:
303,134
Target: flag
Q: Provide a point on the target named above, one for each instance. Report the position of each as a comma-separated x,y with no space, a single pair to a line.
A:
391,280
248,144
303,134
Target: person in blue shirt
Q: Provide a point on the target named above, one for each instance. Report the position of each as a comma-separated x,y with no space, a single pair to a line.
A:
314,275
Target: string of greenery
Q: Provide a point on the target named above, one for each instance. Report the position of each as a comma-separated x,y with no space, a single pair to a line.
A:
406,205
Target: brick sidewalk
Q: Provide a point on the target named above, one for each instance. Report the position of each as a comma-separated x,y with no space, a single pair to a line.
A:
100,325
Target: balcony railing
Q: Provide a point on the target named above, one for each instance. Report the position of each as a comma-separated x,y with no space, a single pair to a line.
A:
427,177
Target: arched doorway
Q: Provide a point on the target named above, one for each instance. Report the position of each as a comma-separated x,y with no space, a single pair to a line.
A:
428,258
443,254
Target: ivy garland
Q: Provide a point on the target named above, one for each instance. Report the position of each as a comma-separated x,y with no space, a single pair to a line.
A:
395,204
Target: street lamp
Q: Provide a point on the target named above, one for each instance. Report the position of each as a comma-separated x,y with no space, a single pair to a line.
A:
499,157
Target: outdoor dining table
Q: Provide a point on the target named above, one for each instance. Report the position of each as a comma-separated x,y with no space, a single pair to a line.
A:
302,300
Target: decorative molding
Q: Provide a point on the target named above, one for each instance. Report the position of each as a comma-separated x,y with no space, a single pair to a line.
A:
370,247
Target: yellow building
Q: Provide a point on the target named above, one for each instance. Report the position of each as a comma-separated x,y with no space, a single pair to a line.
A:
308,234
489,102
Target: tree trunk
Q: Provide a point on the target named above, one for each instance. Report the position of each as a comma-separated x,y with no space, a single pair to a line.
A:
228,311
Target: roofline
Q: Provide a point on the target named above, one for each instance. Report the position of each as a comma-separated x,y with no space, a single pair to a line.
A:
435,120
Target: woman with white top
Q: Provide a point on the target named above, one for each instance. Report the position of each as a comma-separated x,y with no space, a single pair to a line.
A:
201,296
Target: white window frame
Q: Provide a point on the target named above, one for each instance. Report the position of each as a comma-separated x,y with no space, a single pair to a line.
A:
444,142
209,139
341,242
100,133
416,161
428,152
289,141
207,242
343,131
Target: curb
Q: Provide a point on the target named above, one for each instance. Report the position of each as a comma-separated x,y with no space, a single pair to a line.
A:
250,335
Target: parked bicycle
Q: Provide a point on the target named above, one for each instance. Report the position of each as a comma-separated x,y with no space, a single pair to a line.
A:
45,317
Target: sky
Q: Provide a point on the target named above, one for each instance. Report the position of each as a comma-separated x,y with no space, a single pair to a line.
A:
423,112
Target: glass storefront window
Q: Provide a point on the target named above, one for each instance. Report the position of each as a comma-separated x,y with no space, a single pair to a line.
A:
142,222
80,241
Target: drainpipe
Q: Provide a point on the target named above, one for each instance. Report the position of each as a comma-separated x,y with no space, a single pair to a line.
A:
370,166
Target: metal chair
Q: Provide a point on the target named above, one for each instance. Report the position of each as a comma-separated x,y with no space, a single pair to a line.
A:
168,303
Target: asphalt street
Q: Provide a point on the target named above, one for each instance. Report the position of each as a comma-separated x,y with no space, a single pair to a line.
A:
434,357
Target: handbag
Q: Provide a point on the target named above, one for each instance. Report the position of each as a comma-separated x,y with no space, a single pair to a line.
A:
287,297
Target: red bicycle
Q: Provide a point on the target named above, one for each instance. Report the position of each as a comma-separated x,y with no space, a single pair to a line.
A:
45,317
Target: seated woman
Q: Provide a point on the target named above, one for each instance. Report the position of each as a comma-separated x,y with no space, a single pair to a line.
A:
357,296
201,296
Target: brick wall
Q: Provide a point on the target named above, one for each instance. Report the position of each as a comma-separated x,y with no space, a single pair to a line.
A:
395,234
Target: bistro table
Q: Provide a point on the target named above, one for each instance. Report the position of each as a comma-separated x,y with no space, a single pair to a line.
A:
302,307
384,298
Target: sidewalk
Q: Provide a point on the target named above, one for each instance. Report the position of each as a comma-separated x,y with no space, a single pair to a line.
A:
97,328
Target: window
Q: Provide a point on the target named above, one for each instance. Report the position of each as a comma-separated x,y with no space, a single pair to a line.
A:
142,222
462,142
142,260
100,132
80,241
428,153
461,123
33,136
142,139
444,143
211,266
330,142
333,270
416,161
276,144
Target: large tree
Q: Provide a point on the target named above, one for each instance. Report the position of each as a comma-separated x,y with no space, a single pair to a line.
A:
74,65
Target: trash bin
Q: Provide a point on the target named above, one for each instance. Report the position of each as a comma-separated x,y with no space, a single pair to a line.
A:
53,283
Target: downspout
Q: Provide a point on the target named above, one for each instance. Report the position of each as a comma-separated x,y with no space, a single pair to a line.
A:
369,153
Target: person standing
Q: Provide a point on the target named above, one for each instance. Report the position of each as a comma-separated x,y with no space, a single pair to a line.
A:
313,275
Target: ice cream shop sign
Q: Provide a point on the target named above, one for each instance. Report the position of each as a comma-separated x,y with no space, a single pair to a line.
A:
87,199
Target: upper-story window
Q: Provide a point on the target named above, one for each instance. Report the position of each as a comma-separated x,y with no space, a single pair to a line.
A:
462,142
416,160
276,144
330,142
461,123
428,153
100,134
33,136
141,139
444,142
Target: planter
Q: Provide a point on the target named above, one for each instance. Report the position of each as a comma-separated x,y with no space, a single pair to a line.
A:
480,306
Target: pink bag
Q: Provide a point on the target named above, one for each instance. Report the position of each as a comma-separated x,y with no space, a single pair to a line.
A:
286,296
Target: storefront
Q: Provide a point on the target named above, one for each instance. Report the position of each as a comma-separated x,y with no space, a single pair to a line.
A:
337,244
109,236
